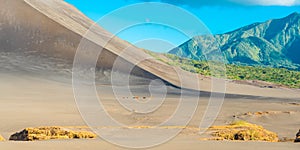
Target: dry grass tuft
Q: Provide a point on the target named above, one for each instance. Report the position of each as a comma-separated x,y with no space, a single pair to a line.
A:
1,138
47,133
244,131
265,113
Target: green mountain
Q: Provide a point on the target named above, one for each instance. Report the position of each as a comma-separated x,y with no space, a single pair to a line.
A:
274,43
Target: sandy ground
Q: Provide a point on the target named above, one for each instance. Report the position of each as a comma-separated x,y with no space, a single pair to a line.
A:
178,143
30,101
36,88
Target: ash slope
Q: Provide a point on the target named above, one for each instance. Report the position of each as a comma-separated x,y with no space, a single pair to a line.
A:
43,36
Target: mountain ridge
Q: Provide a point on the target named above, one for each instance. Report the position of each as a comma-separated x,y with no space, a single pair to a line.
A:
272,43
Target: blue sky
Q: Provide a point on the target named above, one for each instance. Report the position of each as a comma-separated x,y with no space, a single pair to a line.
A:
219,16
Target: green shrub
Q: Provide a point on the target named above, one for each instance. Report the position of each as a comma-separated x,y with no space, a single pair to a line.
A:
278,76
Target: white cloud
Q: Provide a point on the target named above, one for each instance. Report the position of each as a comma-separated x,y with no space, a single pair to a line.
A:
269,2
200,3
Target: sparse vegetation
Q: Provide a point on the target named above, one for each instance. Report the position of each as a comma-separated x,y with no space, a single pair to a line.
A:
279,76
1,138
47,133
265,113
297,139
244,131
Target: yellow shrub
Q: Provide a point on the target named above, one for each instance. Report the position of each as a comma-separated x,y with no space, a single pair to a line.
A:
1,138
244,131
47,133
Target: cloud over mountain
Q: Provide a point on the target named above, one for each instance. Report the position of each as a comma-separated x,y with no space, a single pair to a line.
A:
197,3
269,2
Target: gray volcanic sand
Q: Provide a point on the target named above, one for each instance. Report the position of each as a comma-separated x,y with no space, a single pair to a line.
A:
36,89
31,101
